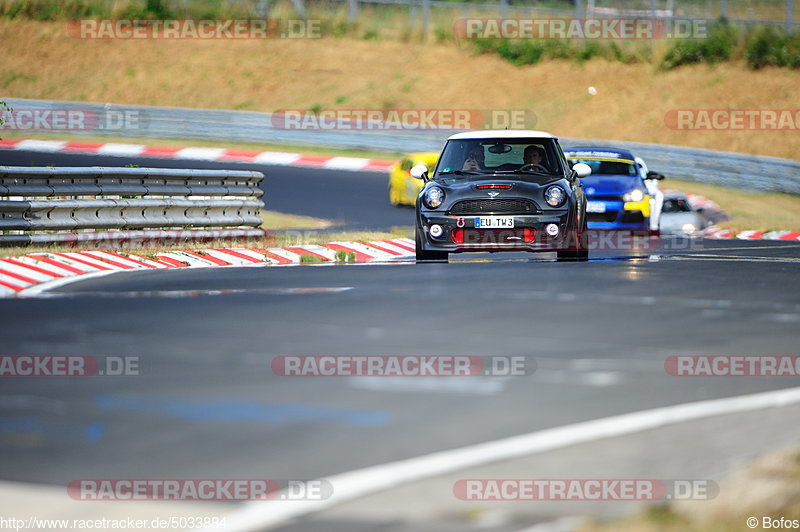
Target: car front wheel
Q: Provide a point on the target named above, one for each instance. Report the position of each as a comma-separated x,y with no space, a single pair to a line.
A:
577,250
439,256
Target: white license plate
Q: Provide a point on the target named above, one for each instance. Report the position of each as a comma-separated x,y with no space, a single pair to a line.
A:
494,222
595,206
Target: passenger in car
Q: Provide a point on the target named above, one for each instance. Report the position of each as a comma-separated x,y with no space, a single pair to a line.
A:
475,159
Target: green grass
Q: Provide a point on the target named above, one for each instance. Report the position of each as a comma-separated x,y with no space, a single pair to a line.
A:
747,208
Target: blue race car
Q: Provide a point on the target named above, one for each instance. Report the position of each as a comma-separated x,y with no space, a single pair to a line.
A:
621,192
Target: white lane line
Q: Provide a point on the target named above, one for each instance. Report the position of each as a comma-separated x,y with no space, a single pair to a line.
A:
598,379
565,524
256,516
434,385
6,292
37,289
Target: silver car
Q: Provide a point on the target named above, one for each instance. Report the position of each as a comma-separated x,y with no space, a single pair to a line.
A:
678,215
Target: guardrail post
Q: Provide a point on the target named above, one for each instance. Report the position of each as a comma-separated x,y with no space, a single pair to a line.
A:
723,9
352,10
426,18
789,16
299,7
503,8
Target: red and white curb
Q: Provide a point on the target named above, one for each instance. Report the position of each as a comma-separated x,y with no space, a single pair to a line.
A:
31,273
715,233
200,154
700,202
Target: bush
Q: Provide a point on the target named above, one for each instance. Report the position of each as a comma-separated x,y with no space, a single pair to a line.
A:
772,47
719,45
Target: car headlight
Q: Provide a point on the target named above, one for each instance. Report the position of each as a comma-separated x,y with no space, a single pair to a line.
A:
688,228
433,198
634,195
555,196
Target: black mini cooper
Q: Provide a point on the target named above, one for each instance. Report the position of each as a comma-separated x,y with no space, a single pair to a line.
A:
501,191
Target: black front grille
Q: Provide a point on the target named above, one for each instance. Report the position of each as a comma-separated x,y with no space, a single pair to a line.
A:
604,198
608,216
632,217
486,206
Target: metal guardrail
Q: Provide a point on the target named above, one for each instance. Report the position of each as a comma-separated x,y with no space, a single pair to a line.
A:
728,169
35,200
514,9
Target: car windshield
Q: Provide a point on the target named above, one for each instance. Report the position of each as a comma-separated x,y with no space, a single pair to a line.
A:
608,166
526,158
676,205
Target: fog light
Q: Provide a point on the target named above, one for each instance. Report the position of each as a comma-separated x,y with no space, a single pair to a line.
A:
436,230
551,229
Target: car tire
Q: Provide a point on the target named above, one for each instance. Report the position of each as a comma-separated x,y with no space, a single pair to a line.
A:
577,251
422,255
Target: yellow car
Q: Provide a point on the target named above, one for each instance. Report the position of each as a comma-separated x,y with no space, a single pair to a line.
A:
404,189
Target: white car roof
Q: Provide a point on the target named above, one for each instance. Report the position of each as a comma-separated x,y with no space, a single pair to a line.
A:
501,134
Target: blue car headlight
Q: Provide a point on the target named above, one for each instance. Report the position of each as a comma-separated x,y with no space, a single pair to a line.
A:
433,198
633,195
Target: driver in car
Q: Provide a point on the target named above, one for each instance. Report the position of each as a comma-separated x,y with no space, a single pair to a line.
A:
532,159
475,159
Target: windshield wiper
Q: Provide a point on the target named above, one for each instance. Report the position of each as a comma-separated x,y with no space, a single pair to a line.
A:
458,172
535,172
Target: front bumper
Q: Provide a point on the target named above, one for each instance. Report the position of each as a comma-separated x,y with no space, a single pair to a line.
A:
619,214
494,239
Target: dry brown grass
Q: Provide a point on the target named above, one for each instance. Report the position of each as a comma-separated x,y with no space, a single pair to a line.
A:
767,487
274,220
41,61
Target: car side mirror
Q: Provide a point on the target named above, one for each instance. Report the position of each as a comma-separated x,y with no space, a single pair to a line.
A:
581,169
654,175
419,172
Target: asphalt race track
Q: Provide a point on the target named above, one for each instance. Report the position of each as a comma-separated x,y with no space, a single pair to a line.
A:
207,404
